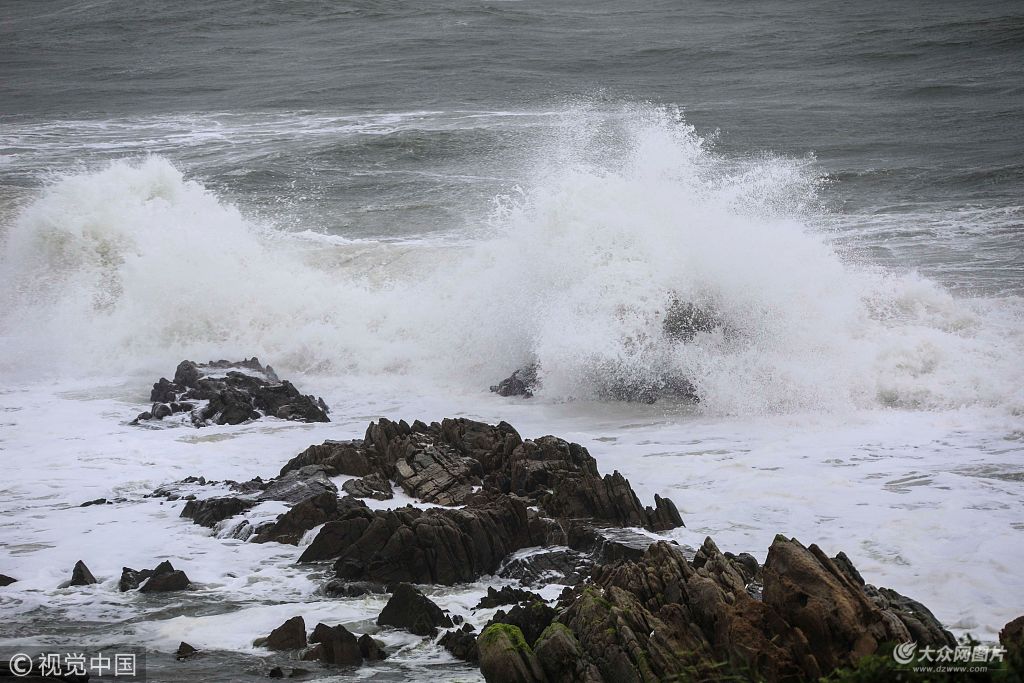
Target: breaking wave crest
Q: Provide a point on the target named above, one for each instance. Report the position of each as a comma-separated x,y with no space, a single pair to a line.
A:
133,266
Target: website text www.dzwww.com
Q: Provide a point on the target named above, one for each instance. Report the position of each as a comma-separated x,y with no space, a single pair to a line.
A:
950,669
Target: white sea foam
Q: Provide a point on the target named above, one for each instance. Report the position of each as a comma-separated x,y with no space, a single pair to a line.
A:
133,267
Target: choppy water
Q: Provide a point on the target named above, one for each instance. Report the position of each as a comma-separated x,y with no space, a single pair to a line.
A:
419,199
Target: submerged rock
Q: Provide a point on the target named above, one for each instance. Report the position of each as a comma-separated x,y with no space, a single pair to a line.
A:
522,382
81,576
291,635
539,567
461,643
507,595
225,392
337,645
370,649
185,651
132,579
166,578
293,525
209,511
411,610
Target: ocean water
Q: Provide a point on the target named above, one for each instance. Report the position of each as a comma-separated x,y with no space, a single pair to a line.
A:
398,206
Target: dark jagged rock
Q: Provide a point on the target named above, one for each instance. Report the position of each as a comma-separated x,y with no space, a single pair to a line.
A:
209,512
448,462
98,501
224,392
276,672
370,649
411,610
560,565
507,595
436,474
374,486
505,656
522,382
746,564
661,617
166,578
664,516
924,628
185,651
132,579
6,580
338,457
299,485
424,546
839,621
1011,636
292,525
291,635
337,645
531,618
81,576
461,643
336,588
561,656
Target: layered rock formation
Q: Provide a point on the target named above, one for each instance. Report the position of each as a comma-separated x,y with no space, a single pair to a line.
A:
225,392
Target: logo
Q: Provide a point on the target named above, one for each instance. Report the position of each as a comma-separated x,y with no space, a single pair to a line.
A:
20,665
904,652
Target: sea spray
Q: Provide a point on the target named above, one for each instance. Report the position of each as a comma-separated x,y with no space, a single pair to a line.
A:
133,267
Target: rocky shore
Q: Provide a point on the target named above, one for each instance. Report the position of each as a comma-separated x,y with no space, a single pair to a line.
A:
533,517
633,608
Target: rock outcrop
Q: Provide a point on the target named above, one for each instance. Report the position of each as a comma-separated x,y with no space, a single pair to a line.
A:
291,635
665,618
225,392
409,609
461,643
523,382
165,578
81,576
539,510
506,656
491,471
336,645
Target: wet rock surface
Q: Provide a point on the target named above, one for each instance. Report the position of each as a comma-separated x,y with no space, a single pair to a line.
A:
461,643
635,608
81,576
523,382
336,645
516,494
291,635
409,609
165,578
225,392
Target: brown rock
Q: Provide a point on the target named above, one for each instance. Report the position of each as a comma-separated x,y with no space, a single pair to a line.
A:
291,635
